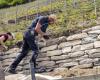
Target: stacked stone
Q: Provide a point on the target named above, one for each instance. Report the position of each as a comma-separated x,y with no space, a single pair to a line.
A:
79,50
9,57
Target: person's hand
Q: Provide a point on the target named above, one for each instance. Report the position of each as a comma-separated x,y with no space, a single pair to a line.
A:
46,37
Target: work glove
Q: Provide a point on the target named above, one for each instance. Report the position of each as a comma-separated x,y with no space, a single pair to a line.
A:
46,37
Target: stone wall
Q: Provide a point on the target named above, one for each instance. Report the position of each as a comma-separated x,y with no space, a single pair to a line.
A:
80,50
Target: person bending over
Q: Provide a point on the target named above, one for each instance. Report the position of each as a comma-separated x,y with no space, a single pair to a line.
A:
38,26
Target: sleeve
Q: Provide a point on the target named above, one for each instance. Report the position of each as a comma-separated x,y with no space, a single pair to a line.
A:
42,20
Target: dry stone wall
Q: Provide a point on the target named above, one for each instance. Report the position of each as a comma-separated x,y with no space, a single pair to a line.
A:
80,50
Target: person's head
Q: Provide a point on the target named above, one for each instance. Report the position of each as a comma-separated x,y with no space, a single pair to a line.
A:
11,36
52,18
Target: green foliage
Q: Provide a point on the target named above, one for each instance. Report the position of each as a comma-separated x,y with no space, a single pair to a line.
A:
14,2
7,3
3,3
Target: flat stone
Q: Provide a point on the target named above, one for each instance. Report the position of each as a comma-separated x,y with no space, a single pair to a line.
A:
86,61
97,44
95,55
88,40
13,55
54,53
70,43
87,46
76,54
43,59
41,44
53,47
62,57
83,66
97,62
56,41
76,48
96,27
15,77
64,61
66,50
42,55
77,36
52,42
92,51
94,32
68,65
14,50
47,63
64,44
60,71
81,58
62,39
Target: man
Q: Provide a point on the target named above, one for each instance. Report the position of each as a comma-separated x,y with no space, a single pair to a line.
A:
5,37
39,26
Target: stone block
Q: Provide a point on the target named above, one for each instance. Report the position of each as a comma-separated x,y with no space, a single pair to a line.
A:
62,57
76,54
49,48
87,46
54,53
66,50
77,36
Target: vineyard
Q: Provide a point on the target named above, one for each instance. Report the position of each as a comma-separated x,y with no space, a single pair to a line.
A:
73,15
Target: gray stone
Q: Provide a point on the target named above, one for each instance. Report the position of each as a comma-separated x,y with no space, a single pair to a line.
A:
83,66
97,62
43,59
47,63
60,70
81,58
41,44
11,51
96,27
76,48
66,50
54,53
13,55
88,40
52,42
95,55
64,61
92,51
62,57
76,54
42,55
97,44
64,44
77,36
86,61
70,43
94,32
56,41
62,39
68,65
87,46
53,47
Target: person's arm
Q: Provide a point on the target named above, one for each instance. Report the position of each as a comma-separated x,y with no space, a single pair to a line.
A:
2,43
38,29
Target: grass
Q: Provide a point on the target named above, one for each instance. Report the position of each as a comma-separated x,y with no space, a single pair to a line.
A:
70,17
